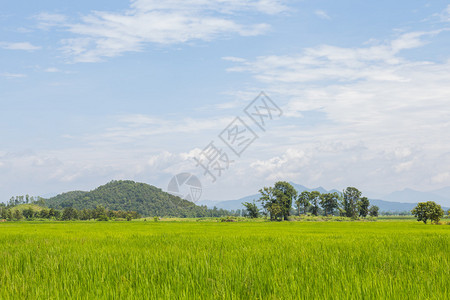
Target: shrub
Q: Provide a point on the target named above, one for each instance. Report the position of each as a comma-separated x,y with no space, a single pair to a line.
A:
102,218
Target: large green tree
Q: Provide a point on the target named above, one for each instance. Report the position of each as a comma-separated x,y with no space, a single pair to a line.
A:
373,211
252,209
429,210
3,213
285,194
17,215
363,207
303,201
350,199
277,200
276,212
329,202
314,200
267,199
28,213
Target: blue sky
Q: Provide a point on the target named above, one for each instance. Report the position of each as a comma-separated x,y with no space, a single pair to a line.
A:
95,91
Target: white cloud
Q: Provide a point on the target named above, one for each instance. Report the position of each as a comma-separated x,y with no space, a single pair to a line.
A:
441,178
233,59
404,166
12,75
288,165
395,108
222,6
85,168
445,15
104,34
25,46
49,20
322,14
52,70
326,62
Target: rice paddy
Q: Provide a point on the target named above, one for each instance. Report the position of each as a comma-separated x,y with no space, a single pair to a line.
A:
210,260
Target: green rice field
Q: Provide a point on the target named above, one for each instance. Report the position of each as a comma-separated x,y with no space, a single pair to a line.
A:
211,260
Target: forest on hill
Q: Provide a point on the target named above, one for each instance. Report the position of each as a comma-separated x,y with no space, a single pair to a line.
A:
127,196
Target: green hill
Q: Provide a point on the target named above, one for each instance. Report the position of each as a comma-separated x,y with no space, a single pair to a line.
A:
128,195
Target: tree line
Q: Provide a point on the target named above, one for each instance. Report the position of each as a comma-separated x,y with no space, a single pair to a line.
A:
69,213
24,199
277,202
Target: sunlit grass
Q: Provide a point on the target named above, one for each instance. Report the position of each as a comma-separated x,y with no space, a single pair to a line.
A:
211,260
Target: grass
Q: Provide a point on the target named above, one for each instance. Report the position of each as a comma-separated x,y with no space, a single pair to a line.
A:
213,260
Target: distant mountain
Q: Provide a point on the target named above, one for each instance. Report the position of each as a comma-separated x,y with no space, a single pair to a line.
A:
229,204
128,195
441,196
300,188
444,192
387,206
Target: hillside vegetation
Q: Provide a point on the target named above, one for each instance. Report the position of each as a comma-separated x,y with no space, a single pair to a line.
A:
127,195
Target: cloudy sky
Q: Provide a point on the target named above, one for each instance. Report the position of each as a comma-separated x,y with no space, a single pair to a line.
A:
92,91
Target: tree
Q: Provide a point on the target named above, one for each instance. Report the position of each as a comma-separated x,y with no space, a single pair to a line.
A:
303,201
40,201
329,202
276,212
102,218
9,215
44,213
429,210
285,194
252,209
17,215
57,214
277,200
350,199
100,212
69,213
52,213
363,207
373,211
85,214
110,214
314,200
267,199
28,213
3,213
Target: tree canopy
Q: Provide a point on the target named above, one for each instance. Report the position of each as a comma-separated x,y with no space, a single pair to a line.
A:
429,210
